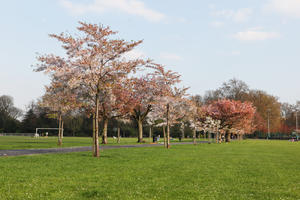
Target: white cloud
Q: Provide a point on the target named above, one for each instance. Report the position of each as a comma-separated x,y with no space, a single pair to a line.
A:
241,15
133,7
170,56
289,8
256,35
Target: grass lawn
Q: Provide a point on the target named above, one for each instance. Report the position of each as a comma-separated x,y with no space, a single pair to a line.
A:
26,142
252,169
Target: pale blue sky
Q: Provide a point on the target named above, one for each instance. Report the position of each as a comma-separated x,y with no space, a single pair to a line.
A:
206,41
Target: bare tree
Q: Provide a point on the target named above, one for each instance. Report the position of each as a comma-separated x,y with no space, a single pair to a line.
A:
7,107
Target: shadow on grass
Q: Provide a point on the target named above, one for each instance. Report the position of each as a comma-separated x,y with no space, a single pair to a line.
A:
32,142
93,194
90,155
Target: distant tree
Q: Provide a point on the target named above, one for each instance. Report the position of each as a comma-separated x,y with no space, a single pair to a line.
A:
172,109
75,122
116,104
232,115
36,117
146,91
9,114
259,124
266,105
7,107
212,95
197,99
233,89
288,117
192,116
29,122
59,100
143,91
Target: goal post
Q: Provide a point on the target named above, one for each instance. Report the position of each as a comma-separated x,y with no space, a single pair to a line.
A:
37,129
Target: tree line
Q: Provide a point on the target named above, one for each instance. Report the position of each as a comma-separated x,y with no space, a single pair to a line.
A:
282,115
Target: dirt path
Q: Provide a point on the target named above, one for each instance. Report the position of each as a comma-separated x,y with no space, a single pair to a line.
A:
19,152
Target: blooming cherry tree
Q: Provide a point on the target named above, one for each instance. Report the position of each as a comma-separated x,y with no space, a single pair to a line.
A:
116,105
94,61
60,101
232,114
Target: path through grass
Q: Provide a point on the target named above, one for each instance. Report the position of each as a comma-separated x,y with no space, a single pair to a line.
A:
26,142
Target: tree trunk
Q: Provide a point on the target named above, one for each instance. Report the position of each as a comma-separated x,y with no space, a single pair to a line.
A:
168,127
59,127
165,137
140,125
62,130
59,143
194,136
118,141
182,133
227,136
94,131
150,134
96,152
220,138
168,136
104,132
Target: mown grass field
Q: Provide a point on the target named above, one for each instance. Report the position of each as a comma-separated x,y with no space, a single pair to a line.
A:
25,142
252,169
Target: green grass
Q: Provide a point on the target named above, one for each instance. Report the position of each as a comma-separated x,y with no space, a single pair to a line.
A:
252,169
25,142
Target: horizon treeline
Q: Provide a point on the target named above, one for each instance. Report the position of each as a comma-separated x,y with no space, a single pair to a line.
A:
282,116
